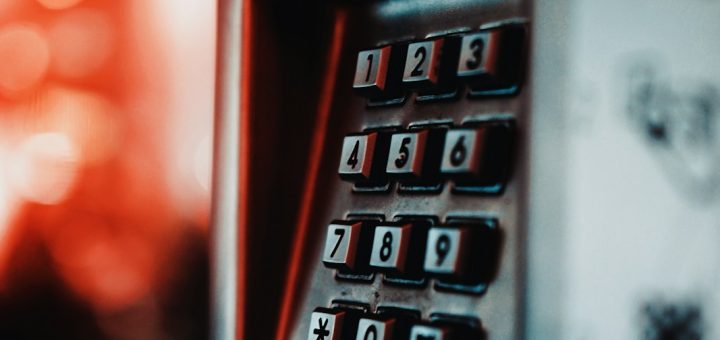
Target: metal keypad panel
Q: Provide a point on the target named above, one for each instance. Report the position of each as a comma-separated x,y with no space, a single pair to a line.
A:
423,211
348,323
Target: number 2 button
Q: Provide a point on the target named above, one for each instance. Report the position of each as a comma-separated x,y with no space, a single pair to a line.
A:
357,156
341,245
389,249
422,64
405,158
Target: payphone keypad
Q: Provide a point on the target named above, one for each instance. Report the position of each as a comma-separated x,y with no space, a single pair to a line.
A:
472,157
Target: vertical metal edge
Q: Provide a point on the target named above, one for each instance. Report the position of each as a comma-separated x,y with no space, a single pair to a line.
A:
225,186
547,166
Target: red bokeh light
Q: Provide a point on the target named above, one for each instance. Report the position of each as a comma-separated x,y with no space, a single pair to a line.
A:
98,169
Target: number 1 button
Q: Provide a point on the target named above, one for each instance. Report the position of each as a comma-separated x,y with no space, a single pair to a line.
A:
371,71
357,156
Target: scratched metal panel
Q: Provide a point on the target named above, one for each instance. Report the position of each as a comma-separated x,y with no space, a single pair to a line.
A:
500,308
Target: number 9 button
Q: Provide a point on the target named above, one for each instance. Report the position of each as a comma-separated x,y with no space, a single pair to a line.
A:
446,252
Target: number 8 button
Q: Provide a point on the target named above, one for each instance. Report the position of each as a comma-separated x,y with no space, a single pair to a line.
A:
390,247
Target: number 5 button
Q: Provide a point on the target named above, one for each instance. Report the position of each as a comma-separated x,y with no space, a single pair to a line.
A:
390,247
446,252
405,158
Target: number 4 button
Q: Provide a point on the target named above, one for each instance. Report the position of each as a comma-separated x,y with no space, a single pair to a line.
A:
363,157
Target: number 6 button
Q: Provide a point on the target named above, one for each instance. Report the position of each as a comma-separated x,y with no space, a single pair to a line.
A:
477,155
390,247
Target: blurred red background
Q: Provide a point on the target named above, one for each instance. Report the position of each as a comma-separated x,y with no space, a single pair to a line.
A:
105,155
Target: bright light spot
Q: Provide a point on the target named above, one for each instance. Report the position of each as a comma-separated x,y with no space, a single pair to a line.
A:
24,56
43,168
81,42
87,119
203,163
59,4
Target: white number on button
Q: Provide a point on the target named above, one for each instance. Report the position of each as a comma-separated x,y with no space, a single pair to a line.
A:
406,153
357,155
443,254
341,244
421,61
420,332
371,69
460,151
374,329
389,246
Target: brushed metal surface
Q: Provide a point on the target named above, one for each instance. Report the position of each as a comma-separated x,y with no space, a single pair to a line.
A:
500,308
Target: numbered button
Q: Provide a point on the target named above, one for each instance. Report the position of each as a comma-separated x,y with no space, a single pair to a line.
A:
406,156
370,329
425,332
491,58
390,248
371,71
478,155
422,64
447,252
326,324
341,245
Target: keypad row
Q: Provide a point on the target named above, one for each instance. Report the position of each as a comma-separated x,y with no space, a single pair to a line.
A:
485,60
349,324
460,251
474,154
